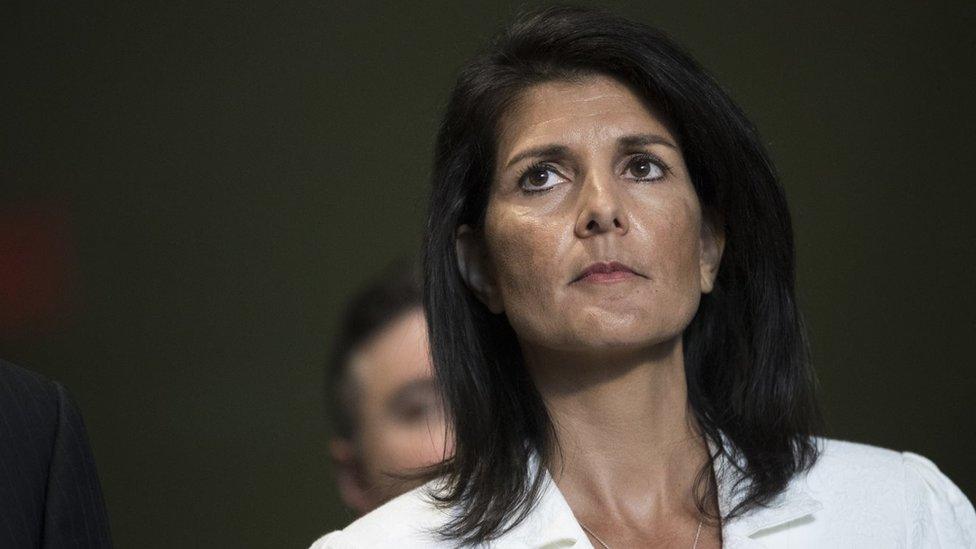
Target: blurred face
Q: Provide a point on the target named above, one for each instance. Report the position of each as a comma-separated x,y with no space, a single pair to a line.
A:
401,426
593,236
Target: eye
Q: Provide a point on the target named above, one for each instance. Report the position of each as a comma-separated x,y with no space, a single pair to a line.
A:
645,168
540,177
416,412
417,407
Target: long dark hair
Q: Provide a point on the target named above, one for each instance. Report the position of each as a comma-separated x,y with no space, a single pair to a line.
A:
745,351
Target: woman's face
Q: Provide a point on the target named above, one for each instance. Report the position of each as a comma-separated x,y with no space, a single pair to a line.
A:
593,236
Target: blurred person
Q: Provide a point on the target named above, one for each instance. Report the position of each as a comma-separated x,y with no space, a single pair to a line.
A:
385,406
50,496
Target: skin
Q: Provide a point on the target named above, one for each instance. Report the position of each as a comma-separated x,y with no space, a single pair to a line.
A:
400,422
605,355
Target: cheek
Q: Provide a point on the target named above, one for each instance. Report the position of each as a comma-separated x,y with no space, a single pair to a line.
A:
673,231
524,250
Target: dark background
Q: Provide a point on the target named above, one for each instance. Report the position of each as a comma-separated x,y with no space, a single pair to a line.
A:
189,193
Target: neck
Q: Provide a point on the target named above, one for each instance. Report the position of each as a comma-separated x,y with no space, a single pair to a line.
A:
628,442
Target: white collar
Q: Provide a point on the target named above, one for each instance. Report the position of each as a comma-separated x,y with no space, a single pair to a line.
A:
793,503
552,523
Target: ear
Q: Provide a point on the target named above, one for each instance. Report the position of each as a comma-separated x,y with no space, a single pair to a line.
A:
475,270
712,244
352,484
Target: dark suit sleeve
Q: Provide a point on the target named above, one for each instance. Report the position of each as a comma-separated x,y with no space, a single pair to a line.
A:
75,510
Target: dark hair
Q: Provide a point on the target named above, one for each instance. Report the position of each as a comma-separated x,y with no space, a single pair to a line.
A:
395,291
745,351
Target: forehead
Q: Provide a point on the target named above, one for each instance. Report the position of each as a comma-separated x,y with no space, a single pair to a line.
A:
592,108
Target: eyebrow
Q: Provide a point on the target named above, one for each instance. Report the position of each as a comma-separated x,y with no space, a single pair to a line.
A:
645,139
544,150
627,141
416,387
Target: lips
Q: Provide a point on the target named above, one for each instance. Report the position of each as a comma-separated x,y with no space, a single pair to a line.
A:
606,272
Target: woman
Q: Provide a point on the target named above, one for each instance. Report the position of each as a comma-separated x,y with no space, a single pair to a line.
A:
610,290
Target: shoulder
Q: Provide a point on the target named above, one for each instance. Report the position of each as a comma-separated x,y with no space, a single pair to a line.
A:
48,467
17,383
849,476
937,507
407,521
855,467
39,422
853,458
29,403
862,484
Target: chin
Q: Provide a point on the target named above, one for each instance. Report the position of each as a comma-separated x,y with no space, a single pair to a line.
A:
602,330
616,339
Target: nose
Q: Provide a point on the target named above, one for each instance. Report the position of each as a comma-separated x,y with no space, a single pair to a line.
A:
601,209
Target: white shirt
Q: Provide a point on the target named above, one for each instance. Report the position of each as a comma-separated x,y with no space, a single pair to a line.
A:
856,496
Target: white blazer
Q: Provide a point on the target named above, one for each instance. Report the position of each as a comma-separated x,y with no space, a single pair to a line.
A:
856,496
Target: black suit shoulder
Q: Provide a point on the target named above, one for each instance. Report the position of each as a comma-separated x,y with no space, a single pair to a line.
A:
49,490
28,423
